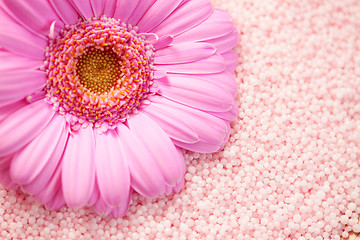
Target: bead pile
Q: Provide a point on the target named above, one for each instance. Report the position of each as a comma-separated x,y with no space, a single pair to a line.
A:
291,167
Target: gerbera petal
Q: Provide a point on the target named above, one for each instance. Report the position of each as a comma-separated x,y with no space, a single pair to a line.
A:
31,160
182,171
5,161
125,8
230,60
226,42
195,91
84,8
139,11
207,146
213,64
157,13
184,53
101,207
175,126
10,61
17,39
113,212
51,188
121,210
163,152
225,80
5,178
16,85
212,135
35,15
163,41
65,11
146,177
45,176
7,110
78,168
188,15
110,7
230,115
57,201
201,147
94,195
178,186
217,25
98,7
22,126
112,172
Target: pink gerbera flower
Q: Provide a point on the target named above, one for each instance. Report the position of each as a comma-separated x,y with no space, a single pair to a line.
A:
98,96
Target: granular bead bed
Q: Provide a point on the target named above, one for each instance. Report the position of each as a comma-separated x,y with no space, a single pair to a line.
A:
291,167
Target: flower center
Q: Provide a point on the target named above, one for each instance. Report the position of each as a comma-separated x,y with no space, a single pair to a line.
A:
99,71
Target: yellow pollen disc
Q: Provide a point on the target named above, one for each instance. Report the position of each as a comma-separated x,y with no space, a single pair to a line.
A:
98,71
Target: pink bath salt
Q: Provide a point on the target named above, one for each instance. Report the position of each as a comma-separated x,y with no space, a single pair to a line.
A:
291,167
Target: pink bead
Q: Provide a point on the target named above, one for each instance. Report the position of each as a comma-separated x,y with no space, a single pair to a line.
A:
356,228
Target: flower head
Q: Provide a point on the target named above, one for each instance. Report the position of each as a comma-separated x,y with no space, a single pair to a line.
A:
98,97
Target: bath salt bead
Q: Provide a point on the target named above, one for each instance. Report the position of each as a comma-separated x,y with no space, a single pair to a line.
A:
326,235
334,223
297,218
345,234
264,221
348,213
307,236
348,228
356,228
328,228
4,225
336,237
303,225
317,231
31,220
355,194
344,219
191,169
72,235
352,207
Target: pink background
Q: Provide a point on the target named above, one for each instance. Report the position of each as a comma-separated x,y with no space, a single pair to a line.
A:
291,166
